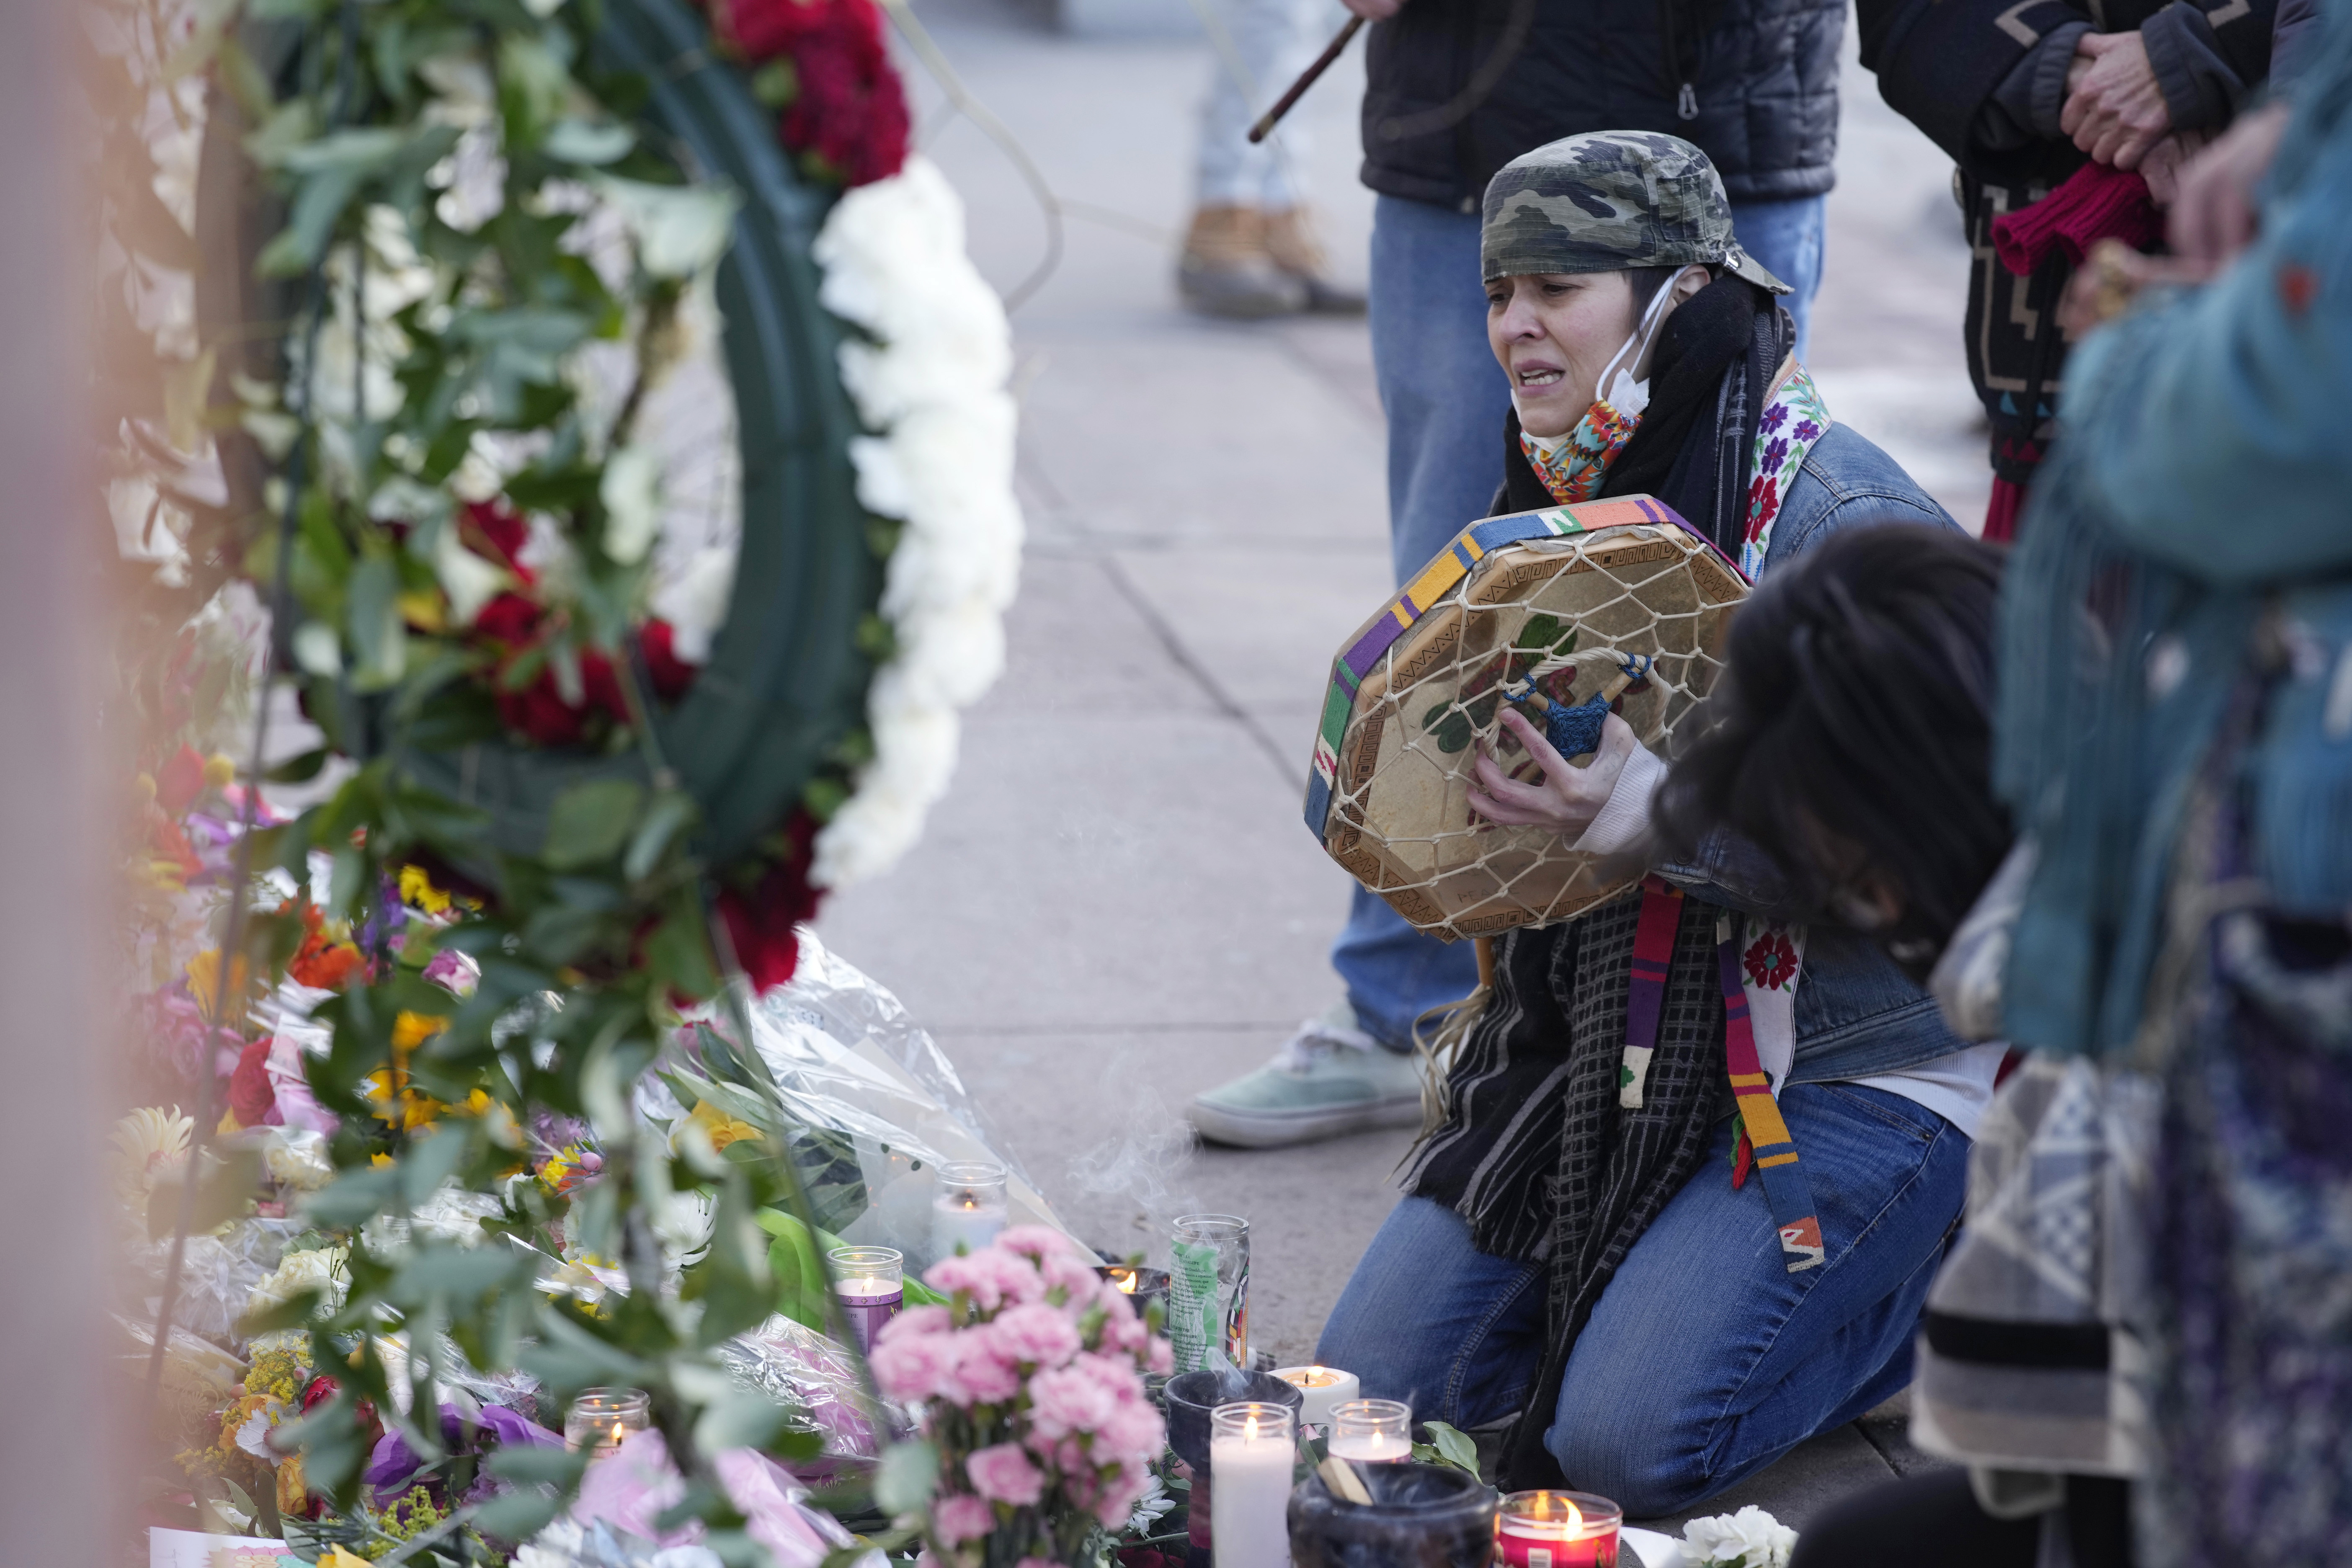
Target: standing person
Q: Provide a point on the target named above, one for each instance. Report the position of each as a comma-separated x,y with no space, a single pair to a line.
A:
2044,111
1252,249
1455,89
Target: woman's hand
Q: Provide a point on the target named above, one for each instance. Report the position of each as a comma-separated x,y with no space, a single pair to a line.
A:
1569,798
2115,111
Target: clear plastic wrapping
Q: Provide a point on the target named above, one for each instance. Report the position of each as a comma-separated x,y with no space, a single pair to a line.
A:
853,1065
801,1369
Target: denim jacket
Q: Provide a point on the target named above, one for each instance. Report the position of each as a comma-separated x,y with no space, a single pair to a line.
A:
1856,1015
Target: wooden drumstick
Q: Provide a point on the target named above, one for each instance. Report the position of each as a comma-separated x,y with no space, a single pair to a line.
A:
1307,78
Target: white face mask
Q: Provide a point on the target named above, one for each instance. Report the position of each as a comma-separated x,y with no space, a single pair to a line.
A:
1618,387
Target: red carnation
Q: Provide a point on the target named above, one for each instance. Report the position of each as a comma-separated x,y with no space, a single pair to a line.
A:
491,527
763,30
538,711
851,111
251,1096
761,924
671,675
510,619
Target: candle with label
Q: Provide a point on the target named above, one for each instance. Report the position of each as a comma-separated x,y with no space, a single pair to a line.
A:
1250,1457
872,1284
601,1419
970,1210
1325,1388
1372,1431
1558,1530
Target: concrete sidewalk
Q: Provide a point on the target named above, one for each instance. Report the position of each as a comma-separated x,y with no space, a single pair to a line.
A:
1117,905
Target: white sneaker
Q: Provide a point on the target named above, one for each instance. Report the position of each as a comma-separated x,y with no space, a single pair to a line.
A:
1329,1078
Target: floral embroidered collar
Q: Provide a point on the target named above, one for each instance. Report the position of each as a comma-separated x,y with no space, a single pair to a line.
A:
1794,419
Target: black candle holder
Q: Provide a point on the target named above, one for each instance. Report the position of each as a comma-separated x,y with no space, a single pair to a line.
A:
1421,1516
1189,1397
1149,1285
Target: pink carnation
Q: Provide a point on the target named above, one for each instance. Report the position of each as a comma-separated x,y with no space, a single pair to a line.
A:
1120,1495
916,1321
982,1375
1080,1396
1035,1334
1003,1473
1075,1277
963,1518
914,1366
989,1277
1038,1241
1160,1356
1133,1435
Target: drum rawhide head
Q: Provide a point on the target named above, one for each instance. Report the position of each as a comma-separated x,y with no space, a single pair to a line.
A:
1562,599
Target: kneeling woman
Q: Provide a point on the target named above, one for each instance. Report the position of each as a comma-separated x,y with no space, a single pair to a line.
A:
1590,1240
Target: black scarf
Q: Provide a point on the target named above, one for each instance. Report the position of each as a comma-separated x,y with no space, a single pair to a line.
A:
1697,442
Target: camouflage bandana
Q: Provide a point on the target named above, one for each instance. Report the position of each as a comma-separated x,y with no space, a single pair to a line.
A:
1610,200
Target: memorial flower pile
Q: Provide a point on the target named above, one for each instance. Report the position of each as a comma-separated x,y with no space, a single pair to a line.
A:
1032,1380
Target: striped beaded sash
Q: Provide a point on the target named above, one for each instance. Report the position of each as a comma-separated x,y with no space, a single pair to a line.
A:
1764,1136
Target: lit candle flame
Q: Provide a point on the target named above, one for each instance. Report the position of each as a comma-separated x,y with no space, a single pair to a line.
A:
1249,1432
616,1432
1126,1279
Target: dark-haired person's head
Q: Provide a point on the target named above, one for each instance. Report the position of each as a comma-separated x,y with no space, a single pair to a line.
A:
1850,738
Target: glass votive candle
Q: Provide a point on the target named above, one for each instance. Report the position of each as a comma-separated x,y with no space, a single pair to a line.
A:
602,1418
1558,1530
1250,1458
970,1208
1326,1388
872,1284
1372,1431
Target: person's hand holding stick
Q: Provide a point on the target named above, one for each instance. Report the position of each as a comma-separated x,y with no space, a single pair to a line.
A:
1365,11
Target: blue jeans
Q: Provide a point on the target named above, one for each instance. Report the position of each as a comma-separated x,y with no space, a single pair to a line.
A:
1705,1360
1445,397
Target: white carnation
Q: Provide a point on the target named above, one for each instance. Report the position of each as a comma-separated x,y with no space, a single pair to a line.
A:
933,382
1749,1539
321,1269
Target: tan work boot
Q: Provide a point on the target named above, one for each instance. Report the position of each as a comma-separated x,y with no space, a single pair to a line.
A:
1226,271
1291,241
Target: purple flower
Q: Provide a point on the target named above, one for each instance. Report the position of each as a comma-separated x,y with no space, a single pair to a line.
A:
1775,455
1776,415
1806,430
393,1462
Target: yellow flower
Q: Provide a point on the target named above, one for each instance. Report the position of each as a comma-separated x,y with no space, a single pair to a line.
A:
220,771
339,1558
421,610
204,976
293,1491
721,1128
417,888
411,1030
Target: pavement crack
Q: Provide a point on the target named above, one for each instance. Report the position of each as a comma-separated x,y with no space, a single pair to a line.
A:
1219,697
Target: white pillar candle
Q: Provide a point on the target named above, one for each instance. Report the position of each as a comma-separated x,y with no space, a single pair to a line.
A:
1250,1457
1324,1387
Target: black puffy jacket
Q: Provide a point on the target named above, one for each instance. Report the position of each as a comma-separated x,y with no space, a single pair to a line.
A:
1753,82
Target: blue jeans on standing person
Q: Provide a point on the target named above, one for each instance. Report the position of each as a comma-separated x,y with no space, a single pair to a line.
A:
1704,1359
1445,397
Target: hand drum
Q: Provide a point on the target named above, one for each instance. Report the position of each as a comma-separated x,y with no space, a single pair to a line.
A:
1562,606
